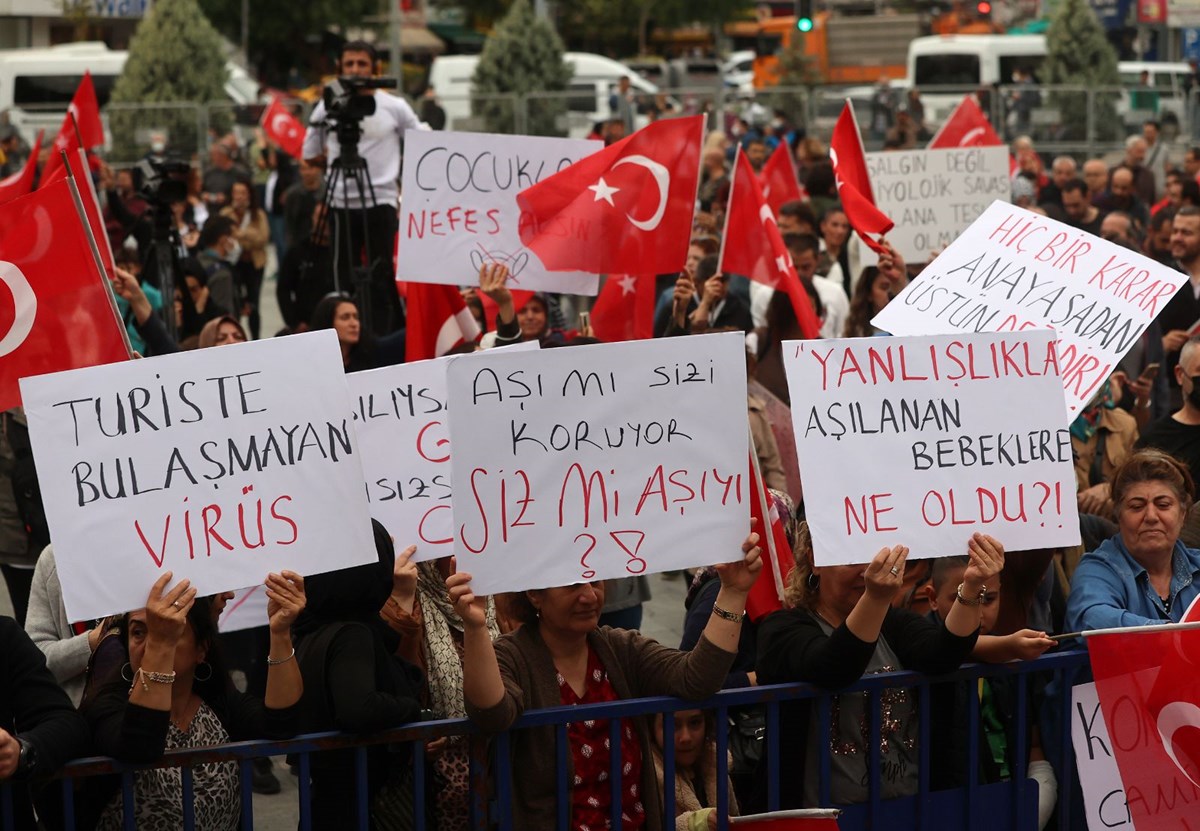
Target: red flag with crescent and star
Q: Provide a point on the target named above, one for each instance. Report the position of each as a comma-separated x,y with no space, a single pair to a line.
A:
966,127
853,181
438,321
753,247
283,128
57,312
1148,681
21,182
86,130
780,182
626,209
625,308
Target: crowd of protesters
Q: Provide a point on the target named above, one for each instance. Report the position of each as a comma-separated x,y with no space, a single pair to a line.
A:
389,643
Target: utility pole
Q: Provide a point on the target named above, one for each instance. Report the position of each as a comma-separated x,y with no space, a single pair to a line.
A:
396,58
246,32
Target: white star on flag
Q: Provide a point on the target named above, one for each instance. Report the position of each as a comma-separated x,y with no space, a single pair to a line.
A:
781,263
603,191
627,284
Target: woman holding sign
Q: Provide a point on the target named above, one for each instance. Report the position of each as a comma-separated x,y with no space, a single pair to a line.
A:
559,657
175,693
842,626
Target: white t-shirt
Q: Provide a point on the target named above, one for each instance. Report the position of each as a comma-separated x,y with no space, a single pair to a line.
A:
379,145
833,298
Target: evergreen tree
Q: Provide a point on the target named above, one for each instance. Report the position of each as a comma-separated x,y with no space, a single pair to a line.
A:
1079,55
175,57
523,55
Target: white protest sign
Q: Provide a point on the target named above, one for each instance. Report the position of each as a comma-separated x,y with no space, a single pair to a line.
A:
934,195
1014,270
247,609
460,207
400,414
219,465
598,462
1099,778
917,441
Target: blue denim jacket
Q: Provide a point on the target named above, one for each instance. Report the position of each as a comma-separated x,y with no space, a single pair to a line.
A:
1109,589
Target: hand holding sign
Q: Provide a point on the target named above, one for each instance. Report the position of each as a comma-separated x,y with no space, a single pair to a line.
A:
166,614
472,608
404,580
987,558
885,574
739,576
285,601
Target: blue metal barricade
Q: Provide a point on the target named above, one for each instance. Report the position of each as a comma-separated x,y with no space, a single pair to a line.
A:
1010,805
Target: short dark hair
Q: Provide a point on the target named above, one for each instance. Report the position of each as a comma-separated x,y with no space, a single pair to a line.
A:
798,244
797,209
706,269
754,139
1187,210
360,46
215,228
1152,122
943,566
1073,186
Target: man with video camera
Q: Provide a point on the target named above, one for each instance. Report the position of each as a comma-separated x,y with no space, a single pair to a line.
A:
356,106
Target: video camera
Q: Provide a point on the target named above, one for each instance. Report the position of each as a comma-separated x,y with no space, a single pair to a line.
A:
342,101
164,183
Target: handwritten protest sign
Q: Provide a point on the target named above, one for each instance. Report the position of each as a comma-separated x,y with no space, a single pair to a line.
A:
219,465
935,195
460,207
1014,270
599,461
916,441
400,413
1099,778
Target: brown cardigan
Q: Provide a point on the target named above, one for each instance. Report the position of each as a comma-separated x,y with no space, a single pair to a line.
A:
637,667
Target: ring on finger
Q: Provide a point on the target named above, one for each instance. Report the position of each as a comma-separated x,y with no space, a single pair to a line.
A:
895,570
177,605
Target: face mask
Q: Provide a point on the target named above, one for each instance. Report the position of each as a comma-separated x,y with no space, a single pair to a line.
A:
235,253
158,146
1194,395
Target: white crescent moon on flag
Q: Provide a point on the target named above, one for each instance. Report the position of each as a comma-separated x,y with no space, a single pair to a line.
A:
25,302
662,179
283,129
970,136
1171,719
765,215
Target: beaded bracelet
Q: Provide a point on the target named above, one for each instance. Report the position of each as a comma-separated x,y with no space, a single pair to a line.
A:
156,677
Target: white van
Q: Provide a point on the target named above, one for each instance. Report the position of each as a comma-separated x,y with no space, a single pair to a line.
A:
959,64
1164,96
594,79
36,85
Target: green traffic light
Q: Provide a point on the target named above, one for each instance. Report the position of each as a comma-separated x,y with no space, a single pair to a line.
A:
804,24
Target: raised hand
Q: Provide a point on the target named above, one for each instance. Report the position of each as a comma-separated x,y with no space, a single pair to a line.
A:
884,575
471,608
404,579
740,575
285,600
987,558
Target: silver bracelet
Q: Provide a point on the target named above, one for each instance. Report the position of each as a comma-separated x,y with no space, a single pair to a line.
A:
276,662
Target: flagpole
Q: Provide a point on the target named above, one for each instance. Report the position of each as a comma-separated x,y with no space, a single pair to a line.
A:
725,225
91,238
1158,627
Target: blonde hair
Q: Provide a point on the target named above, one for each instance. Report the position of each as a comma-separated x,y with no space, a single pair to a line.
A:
797,594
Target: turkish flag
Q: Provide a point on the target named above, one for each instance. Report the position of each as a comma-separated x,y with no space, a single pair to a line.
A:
753,247
80,128
1148,681
624,210
967,126
766,595
57,312
780,182
807,819
21,182
438,321
283,128
853,181
625,308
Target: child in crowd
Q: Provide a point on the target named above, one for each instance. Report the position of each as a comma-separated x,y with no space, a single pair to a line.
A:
695,769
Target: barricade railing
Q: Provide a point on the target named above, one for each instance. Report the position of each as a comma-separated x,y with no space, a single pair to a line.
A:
1004,805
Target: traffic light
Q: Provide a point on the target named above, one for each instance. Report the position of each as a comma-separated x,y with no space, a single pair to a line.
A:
804,15
984,8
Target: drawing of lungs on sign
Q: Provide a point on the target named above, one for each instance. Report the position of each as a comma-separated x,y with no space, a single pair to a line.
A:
25,307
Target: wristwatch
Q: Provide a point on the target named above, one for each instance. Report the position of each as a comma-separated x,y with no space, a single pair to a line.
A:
27,757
